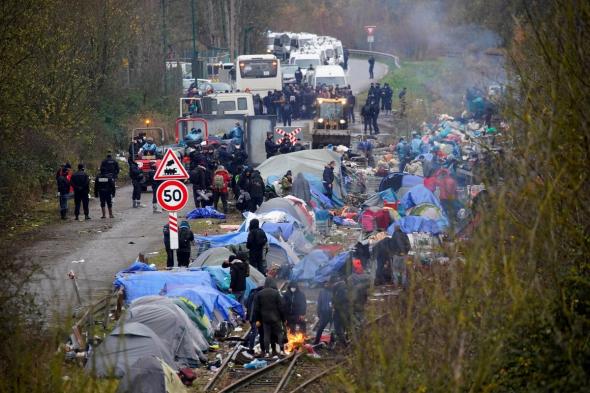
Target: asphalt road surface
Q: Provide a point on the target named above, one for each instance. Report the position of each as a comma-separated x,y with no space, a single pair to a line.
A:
96,249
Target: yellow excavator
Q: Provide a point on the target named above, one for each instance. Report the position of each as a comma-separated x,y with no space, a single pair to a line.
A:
330,126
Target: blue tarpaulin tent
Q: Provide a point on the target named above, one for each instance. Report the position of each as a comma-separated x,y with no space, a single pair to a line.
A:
334,265
307,268
410,224
209,298
399,180
140,284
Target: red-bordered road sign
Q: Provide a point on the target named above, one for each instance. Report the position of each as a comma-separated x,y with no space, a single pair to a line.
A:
171,168
172,195
370,30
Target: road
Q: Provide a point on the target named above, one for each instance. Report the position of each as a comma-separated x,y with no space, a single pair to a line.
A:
95,250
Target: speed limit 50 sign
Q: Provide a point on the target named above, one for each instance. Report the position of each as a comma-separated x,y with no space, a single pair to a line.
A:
172,195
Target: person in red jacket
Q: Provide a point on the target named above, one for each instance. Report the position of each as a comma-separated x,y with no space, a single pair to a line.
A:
447,192
221,179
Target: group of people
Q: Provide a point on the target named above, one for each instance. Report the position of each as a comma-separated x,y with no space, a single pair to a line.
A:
76,185
380,98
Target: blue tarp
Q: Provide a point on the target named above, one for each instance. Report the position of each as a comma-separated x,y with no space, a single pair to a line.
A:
221,277
209,298
137,267
284,229
140,284
334,265
307,268
234,238
411,224
204,212
317,192
418,195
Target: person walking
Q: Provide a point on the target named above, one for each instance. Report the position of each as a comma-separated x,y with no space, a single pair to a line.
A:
371,66
328,179
251,317
295,308
155,184
256,244
324,310
238,271
221,179
185,241
81,183
374,111
269,315
63,189
104,188
136,175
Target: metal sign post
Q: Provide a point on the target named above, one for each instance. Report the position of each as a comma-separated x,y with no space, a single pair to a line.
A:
370,35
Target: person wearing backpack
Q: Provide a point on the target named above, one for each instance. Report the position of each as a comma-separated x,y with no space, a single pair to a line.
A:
238,271
221,179
185,240
169,252
256,191
256,243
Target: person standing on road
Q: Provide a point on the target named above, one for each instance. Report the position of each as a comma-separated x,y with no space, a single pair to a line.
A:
238,271
324,310
256,244
104,187
136,175
251,317
351,103
155,184
110,166
367,120
221,179
269,315
298,76
295,308
371,66
287,113
185,240
81,183
328,178
63,189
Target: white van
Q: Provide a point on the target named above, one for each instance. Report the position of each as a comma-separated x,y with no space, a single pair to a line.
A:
329,75
304,60
229,104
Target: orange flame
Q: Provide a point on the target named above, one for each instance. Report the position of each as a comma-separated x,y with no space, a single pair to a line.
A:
295,341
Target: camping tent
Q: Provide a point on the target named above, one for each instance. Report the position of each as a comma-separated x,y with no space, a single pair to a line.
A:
215,303
172,325
400,182
140,284
333,266
307,268
123,347
150,375
310,162
290,206
197,315
216,256
277,252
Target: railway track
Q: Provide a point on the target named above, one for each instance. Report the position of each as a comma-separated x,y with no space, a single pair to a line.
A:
293,373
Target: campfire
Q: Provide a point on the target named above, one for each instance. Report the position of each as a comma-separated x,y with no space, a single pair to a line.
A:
295,341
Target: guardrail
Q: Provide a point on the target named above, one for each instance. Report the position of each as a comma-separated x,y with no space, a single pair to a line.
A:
368,52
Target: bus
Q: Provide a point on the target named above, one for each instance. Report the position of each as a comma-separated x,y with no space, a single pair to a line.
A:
258,74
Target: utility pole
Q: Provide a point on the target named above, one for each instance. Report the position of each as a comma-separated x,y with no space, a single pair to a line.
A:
195,70
164,47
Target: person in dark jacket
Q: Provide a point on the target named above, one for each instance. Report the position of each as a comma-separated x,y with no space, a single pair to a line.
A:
238,271
256,244
374,111
351,103
169,252
104,187
367,119
342,310
81,183
63,189
328,179
109,166
250,317
185,240
324,309
270,146
401,246
256,191
136,175
197,178
383,251
371,67
295,308
269,315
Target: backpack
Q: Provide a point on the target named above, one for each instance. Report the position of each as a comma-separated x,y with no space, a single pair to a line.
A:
257,186
218,182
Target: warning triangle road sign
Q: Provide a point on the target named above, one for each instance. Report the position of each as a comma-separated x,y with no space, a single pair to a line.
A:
170,168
